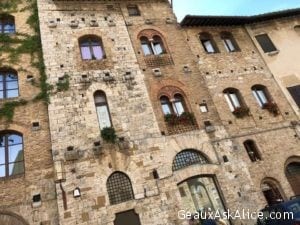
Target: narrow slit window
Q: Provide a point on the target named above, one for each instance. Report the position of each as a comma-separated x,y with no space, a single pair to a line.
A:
102,110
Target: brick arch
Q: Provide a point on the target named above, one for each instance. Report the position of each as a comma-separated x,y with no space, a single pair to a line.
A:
10,218
15,128
170,91
150,33
156,87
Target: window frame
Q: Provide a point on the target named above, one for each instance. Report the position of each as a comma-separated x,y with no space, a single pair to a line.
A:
101,105
261,94
207,37
136,8
6,147
228,92
266,43
89,39
6,19
227,36
294,92
114,186
4,90
251,146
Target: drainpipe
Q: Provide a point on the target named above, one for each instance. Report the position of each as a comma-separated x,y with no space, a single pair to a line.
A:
64,197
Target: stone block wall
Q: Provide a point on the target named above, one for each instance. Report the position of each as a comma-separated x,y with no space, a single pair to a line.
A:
16,193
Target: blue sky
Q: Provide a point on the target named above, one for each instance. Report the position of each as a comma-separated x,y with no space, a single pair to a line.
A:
230,7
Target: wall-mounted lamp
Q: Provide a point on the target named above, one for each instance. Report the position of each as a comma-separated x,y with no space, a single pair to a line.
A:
76,192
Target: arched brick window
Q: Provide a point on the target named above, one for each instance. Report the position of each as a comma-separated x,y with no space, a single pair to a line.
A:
119,188
9,86
292,172
152,42
272,191
252,150
208,43
102,109
172,101
11,154
7,24
235,102
229,42
91,48
187,158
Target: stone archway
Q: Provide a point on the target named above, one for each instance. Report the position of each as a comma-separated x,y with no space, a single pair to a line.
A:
292,172
272,191
9,218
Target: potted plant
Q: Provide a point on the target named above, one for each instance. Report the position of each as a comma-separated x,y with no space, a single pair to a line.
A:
241,112
271,107
109,134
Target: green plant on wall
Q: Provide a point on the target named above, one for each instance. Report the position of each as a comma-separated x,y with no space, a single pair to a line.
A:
63,84
109,134
14,46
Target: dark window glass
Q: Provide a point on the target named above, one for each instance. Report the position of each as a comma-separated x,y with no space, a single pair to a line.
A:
7,24
91,48
266,43
187,158
9,87
252,150
11,154
133,10
295,93
119,188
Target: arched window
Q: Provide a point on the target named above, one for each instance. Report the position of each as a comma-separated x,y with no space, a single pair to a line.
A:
261,95
233,98
11,154
208,43
179,104
271,191
7,217
229,42
152,46
9,87
7,24
297,28
102,109
252,150
166,105
119,188
91,48
293,176
187,158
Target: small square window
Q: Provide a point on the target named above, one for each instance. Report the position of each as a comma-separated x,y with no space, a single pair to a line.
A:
203,108
133,10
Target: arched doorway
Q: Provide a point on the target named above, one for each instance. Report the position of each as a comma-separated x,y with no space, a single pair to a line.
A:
292,172
8,218
272,191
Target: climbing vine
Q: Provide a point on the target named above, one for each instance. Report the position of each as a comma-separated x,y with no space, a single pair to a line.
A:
14,46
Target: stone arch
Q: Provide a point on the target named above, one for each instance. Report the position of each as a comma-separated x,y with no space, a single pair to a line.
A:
292,172
10,218
272,191
189,157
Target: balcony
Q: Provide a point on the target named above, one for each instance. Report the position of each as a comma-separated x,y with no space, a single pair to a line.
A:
180,124
158,60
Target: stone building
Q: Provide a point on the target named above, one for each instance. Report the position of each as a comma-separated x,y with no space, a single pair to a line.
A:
27,189
149,117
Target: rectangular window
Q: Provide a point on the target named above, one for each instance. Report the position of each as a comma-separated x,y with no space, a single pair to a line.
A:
133,10
266,43
208,46
295,93
229,45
